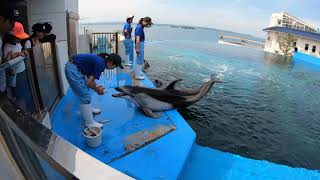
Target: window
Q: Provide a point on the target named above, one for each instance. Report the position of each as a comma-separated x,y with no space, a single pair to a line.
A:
269,38
314,48
306,47
294,44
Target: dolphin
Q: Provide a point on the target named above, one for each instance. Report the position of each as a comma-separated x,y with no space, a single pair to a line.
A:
151,100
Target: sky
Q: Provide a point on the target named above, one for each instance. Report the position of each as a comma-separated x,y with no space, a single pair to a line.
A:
243,16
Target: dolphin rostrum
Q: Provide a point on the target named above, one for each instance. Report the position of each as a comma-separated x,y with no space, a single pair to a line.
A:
151,100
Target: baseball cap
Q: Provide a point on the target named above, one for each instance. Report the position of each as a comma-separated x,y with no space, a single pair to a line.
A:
38,27
18,31
130,16
48,27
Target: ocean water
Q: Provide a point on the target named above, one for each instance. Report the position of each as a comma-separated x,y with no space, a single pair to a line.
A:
268,107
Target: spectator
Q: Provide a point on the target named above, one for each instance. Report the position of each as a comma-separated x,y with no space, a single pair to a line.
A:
38,33
48,37
12,49
7,19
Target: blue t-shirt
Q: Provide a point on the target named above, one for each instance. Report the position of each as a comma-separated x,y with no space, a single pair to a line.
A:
139,32
127,27
90,64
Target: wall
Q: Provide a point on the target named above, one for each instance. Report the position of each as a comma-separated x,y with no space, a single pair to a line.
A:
272,45
274,19
301,45
55,12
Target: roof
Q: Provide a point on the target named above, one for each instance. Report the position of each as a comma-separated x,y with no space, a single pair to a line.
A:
296,32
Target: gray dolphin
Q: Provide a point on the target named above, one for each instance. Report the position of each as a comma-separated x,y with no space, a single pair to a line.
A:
151,100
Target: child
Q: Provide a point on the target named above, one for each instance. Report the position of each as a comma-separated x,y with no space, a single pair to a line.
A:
12,49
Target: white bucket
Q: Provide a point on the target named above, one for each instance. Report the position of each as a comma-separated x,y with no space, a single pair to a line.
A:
95,139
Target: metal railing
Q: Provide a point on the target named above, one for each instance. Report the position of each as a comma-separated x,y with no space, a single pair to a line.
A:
104,42
241,42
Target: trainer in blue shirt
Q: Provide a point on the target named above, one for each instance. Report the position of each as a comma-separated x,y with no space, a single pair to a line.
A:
81,72
139,42
128,43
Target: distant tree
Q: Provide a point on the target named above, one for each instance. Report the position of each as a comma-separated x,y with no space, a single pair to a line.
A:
287,44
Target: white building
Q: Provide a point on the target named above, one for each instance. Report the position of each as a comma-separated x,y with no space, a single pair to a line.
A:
284,19
307,39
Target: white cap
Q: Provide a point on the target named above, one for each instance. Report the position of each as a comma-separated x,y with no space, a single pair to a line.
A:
130,16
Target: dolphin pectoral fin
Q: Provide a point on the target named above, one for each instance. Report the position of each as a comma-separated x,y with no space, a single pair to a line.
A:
148,112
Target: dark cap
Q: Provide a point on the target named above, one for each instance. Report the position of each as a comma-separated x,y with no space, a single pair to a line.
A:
48,27
116,59
38,27
9,12
148,20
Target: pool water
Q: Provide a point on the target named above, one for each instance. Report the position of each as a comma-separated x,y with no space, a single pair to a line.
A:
268,106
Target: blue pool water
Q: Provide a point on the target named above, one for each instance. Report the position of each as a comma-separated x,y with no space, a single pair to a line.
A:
267,108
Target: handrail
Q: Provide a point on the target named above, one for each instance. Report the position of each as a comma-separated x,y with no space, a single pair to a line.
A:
33,144
249,40
10,63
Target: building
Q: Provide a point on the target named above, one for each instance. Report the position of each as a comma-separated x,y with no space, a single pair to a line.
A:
281,25
284,19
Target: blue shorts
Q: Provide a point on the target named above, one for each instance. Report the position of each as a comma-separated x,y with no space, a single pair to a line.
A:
140,56
78,83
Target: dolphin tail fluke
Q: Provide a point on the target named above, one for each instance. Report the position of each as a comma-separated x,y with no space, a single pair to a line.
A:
215,78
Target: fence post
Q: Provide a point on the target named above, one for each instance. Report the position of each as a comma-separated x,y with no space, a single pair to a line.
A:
117,42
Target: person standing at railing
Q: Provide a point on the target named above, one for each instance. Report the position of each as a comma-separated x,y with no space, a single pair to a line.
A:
81,72
139,43
7,20
12,49
128,43
38,32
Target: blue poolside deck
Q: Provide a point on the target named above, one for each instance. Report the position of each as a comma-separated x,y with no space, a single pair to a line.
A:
162,148
206,163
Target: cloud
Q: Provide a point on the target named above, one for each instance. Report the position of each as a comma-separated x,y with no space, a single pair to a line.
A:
244,16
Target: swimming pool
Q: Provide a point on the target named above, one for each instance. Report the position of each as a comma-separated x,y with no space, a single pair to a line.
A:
267,108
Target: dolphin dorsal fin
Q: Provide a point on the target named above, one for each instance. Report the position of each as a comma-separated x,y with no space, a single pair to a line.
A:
173,84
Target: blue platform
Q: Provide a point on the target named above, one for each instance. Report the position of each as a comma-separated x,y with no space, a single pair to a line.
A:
128,130
206,163
164,148
301,57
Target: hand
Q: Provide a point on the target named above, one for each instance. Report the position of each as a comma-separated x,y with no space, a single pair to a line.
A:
20,54
138,50
100,90
25,52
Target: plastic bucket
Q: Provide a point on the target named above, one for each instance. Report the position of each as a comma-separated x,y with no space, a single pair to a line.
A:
93,137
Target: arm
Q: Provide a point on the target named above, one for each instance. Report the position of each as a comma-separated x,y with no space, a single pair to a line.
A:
125,33
11,55
92,84
138,44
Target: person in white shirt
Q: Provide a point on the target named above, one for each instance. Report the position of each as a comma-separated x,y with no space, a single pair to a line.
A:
12,49
7,19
